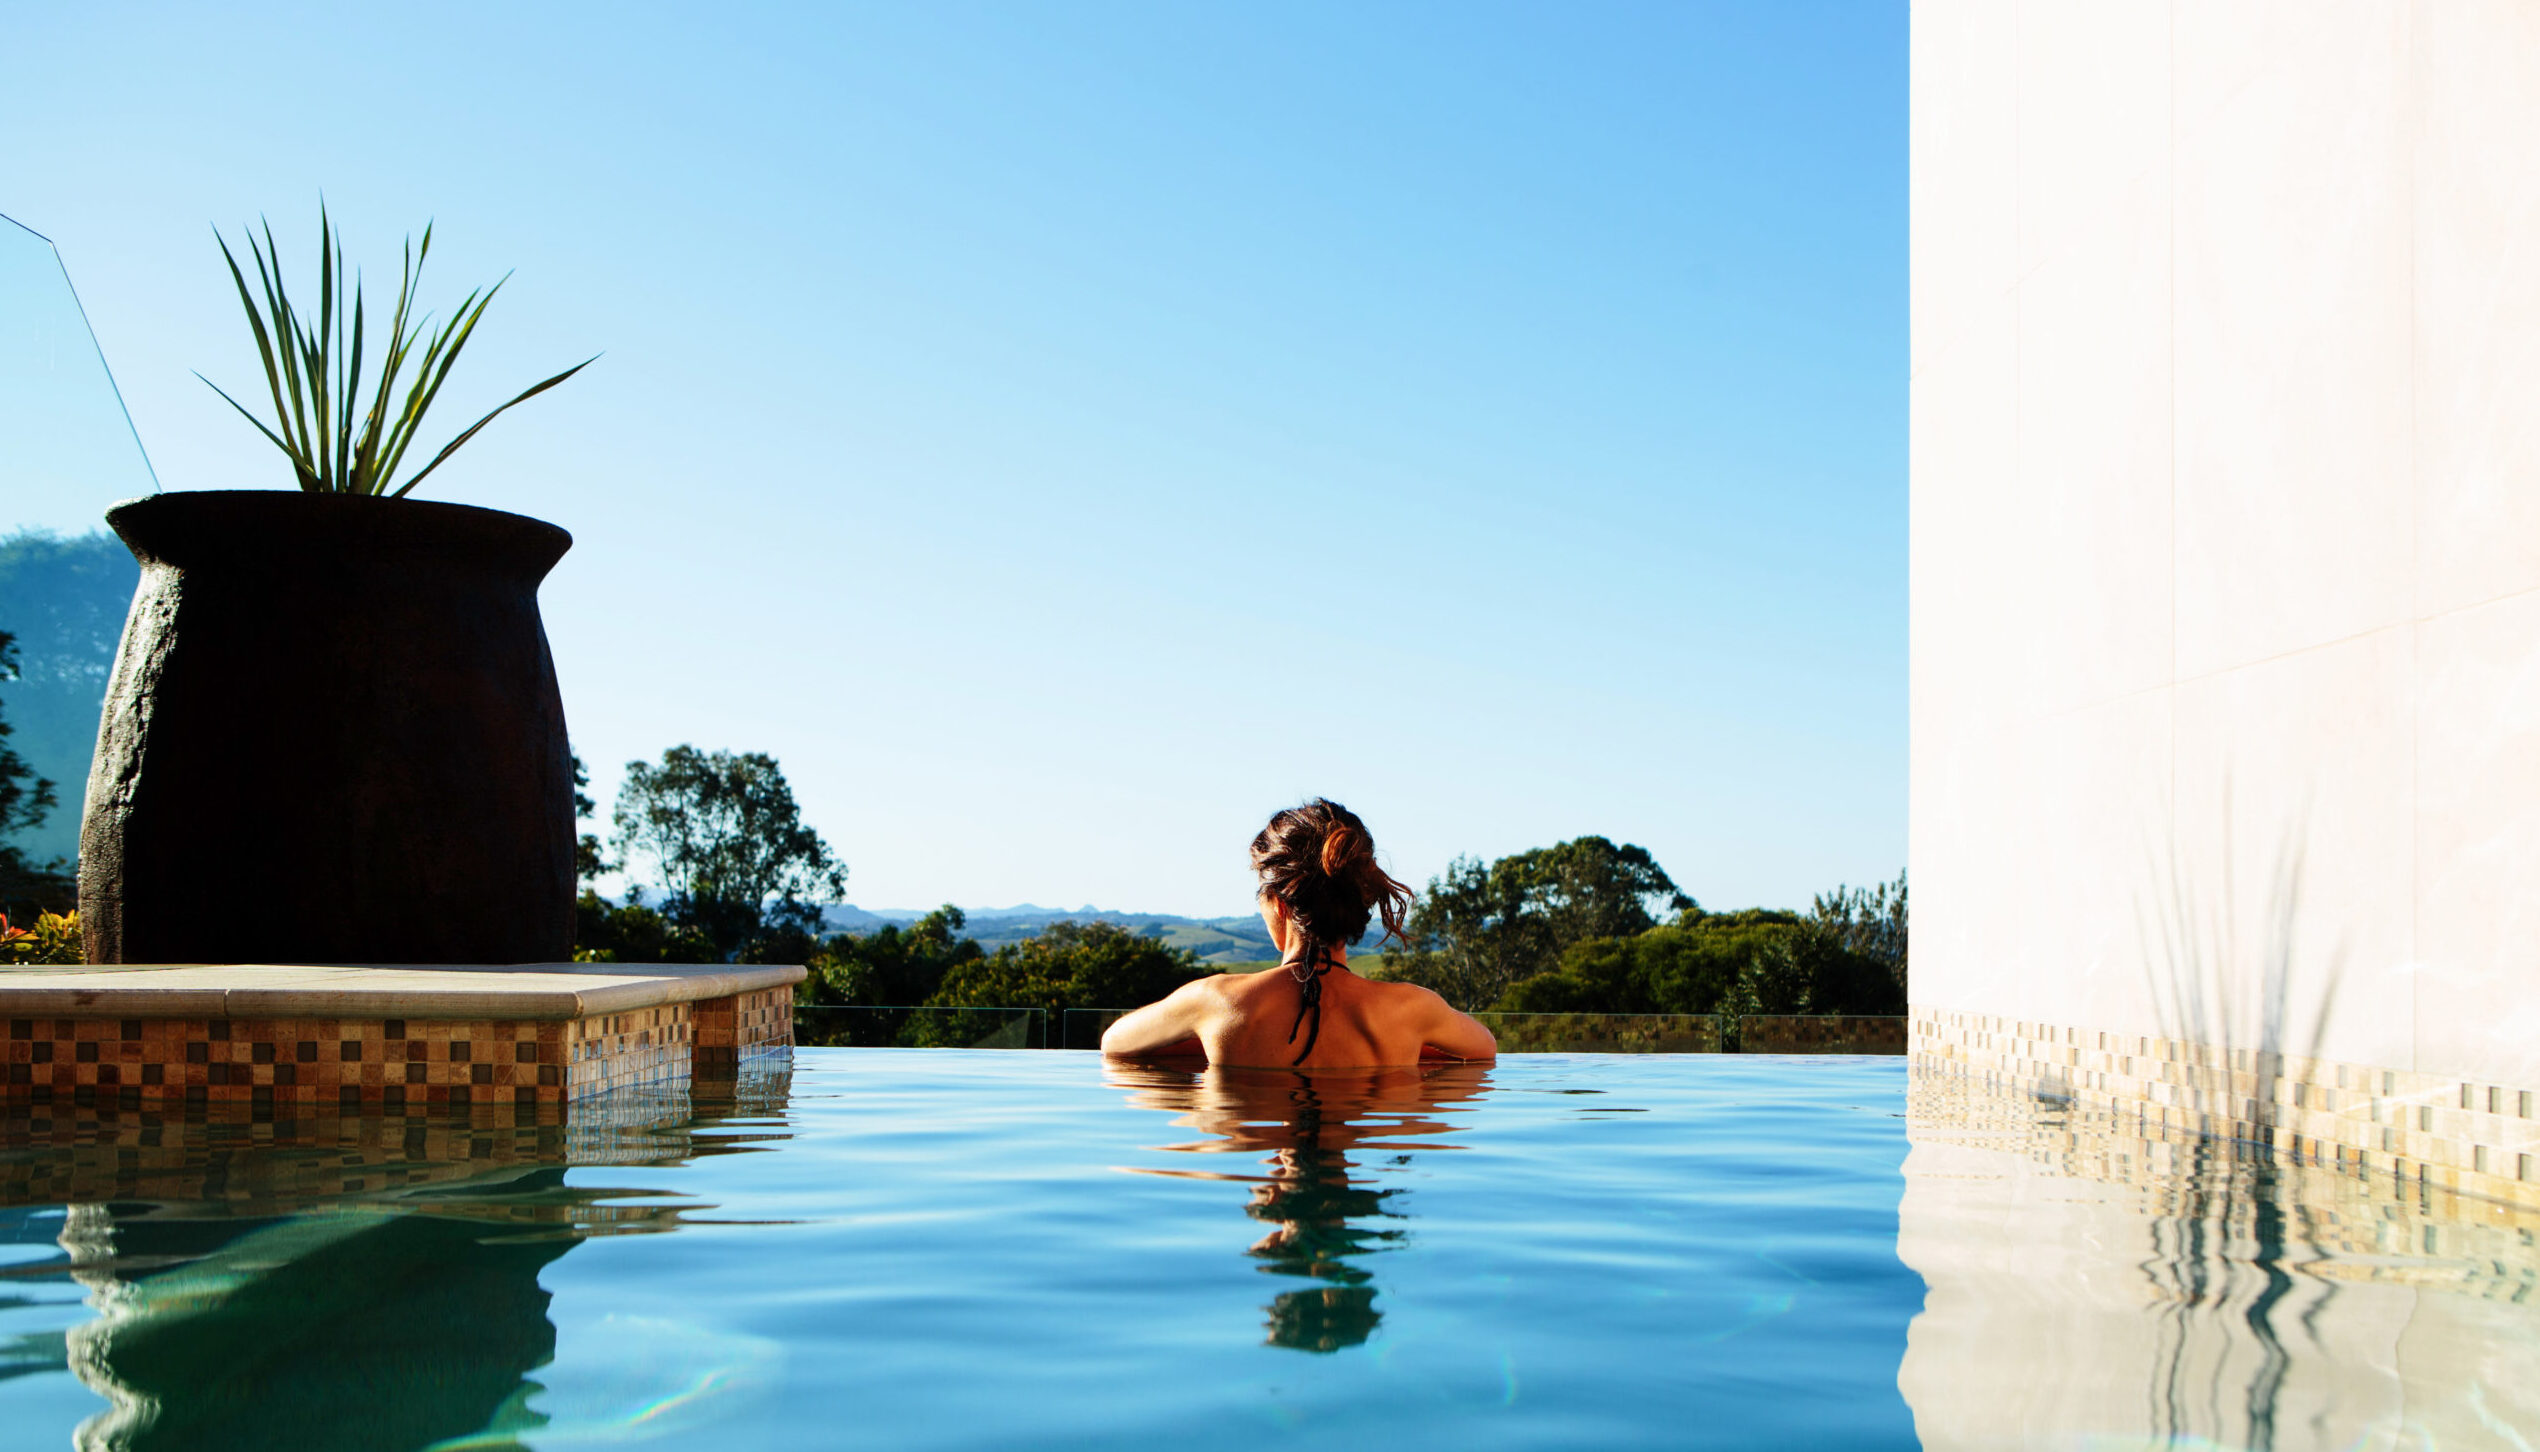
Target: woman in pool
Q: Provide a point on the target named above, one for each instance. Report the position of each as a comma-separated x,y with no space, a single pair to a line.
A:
1319,885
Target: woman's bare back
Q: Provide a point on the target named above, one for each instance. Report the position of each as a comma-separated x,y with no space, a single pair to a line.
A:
1253,1019
1319,886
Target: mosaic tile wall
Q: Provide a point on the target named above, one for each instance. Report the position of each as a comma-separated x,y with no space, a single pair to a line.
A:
2447,1135
386,1064
744,1026
626,1050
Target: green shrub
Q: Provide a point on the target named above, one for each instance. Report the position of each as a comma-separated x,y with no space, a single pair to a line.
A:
634,933
1754,961
1064,966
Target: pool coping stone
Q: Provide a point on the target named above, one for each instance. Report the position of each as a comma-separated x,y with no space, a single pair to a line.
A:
520,991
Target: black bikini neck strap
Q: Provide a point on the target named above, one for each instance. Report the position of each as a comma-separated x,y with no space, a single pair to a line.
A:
1309,982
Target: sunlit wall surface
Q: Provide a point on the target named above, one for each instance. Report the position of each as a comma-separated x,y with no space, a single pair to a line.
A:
2226,545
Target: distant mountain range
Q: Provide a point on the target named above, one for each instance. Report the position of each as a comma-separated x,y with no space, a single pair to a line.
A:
1217,941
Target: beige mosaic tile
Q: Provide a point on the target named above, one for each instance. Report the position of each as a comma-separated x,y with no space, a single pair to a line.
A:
2457,1137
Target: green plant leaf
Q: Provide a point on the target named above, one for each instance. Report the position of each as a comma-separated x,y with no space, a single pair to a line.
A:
533,391
315,369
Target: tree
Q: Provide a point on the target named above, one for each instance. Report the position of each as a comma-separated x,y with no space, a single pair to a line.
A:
1870,922
1696,964
590,863
1478,929
883,974
1064,966
26,799
1757,961
892,965
734,856
630,932
65,600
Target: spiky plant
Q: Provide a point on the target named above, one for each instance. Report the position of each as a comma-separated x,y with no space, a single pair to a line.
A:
337,446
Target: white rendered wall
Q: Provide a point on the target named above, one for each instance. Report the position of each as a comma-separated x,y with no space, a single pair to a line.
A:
2226,522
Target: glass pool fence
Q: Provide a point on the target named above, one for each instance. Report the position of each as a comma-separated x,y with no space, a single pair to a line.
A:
918,1027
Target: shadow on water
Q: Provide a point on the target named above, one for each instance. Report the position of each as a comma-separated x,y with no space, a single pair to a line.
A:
1322,1137
329,1283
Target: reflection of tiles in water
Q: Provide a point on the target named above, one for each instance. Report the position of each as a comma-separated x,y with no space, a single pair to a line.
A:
2098,1278
2380,1227
228,1157
2452,1135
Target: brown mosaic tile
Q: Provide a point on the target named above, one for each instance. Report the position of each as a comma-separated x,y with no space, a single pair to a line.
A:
379,1062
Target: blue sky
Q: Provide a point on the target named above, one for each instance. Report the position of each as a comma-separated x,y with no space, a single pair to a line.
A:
1063,433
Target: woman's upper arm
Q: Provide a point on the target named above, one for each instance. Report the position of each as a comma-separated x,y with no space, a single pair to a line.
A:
1163,1024
1456,1034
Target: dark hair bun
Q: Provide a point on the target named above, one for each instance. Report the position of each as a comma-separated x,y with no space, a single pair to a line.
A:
1320,862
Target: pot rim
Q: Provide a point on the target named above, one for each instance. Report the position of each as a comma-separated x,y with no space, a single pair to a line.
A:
188,528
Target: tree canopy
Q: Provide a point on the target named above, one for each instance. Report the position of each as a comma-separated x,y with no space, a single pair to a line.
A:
1479,929
630,932
911,985
26,799
1070,965
65,599
1847,955
884,972
590,860
734,856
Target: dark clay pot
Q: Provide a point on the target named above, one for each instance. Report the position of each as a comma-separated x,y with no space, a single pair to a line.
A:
333,736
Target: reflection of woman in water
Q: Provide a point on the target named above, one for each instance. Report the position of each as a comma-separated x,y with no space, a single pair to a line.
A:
1320,1216
1319,887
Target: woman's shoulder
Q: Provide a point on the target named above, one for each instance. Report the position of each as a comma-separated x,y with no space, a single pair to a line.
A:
1394,991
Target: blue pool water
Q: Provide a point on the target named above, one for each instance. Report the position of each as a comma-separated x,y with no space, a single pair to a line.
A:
941,1248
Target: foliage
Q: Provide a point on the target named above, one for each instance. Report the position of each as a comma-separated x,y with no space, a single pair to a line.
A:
26,799
590,862
884,971
1869,921
633,933
1068,965
890,965
735,857
53,939
66,599
315,373
1694,965
1478,929
1751,962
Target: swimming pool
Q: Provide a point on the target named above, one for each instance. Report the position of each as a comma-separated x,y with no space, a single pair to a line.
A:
940,1248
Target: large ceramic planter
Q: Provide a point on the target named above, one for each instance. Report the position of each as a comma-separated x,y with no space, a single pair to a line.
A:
333,735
